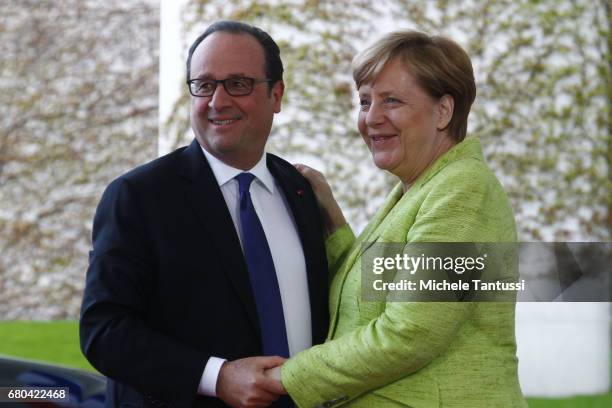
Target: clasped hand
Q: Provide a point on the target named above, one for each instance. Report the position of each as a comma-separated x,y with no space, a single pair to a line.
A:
252,382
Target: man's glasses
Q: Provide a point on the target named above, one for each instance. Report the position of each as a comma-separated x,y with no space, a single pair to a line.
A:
235,86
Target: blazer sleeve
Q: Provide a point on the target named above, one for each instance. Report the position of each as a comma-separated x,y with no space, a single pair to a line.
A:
337,247
116,330
406,336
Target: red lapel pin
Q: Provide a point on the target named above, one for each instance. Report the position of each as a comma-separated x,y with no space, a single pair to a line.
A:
300,192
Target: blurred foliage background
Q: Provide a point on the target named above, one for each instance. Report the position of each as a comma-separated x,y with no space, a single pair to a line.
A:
78,103
79,106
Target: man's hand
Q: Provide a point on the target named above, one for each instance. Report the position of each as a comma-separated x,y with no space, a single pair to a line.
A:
242,383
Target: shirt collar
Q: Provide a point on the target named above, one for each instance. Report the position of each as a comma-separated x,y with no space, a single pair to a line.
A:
225,173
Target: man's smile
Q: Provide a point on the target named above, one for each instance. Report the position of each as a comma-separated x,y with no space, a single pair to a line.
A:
223,121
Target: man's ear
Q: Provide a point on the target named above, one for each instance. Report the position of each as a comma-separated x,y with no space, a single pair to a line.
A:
445,107
277,94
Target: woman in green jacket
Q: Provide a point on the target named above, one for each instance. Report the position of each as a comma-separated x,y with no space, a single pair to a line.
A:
415,94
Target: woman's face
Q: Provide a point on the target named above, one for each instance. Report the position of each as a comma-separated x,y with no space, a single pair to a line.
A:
398,121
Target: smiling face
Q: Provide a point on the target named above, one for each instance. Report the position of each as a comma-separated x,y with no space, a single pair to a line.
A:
234,129
398,121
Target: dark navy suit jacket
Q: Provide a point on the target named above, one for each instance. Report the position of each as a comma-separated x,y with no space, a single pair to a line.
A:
167,285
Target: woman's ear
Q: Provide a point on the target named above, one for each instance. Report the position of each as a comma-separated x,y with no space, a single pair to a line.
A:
445,107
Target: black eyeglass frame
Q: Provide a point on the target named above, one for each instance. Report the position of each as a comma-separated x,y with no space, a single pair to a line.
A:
252,83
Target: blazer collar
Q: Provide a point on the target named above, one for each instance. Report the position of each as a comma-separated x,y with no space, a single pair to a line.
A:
364,241
468,148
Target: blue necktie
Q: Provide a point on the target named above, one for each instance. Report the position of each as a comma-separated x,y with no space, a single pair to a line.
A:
262,274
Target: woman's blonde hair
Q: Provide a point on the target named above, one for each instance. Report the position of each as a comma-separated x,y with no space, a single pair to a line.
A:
439,65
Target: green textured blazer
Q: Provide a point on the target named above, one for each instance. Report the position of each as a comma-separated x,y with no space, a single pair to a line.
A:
417,354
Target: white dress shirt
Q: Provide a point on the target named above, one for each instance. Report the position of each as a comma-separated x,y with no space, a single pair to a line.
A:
286,248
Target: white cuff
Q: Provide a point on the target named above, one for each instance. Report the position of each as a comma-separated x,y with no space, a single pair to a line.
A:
208,382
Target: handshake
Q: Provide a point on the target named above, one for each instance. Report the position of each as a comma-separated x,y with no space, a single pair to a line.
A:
251,382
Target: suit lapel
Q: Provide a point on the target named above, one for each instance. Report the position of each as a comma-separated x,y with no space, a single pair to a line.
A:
297,194
202,192
366,239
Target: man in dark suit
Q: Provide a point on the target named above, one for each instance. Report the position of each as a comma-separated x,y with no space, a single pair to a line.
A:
211,255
